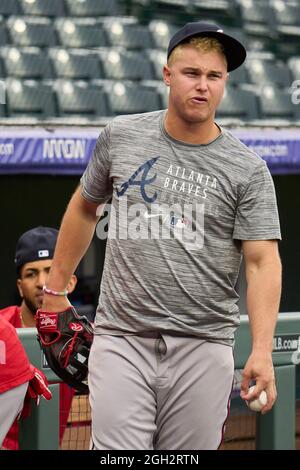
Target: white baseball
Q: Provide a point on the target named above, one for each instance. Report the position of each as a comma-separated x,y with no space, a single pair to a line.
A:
258,403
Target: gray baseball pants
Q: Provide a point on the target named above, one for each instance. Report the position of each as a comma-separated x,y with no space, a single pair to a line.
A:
11,403
159,391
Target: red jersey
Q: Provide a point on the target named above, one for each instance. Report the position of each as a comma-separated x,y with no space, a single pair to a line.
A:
14,370
14,364
13,316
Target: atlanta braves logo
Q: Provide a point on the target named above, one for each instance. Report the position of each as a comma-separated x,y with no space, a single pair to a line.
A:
145,168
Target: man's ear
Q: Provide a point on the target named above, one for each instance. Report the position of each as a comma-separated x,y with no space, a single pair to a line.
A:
19,286
72,283
166,75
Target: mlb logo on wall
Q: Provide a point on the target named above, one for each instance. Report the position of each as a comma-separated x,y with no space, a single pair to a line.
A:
43,253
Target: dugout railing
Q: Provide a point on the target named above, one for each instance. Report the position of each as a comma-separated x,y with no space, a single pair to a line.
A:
274,431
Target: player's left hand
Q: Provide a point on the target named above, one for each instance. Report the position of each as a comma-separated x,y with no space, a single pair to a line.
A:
38,385
259,368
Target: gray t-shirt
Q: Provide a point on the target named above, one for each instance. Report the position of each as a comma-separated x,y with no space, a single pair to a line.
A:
178,214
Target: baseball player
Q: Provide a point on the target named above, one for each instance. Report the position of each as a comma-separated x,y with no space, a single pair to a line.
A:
161,363
17,378
33,258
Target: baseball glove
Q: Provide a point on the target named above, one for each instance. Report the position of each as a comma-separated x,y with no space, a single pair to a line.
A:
66,338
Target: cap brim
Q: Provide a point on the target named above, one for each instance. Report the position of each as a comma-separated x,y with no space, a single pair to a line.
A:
234,51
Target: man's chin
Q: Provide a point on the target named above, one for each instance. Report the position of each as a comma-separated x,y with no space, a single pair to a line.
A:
196,116
33,307
196,119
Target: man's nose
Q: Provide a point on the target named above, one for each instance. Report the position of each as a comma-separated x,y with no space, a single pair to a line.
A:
202,83
42,278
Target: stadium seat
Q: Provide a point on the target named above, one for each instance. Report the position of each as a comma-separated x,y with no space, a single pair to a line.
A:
161,89
3,99
43,7
2,111
161,31
93,8
287,27
80,98
239,76
239,104
75,63
2,70
257,23
262,71
127,34
172,8
275,103
287,17
126,97
80,32
158,59
4,39
9,7
29,98
257,16
224,11
174,11
294,66
28,62
122,64
31,31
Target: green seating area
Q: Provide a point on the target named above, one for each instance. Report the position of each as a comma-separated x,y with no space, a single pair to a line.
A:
56,56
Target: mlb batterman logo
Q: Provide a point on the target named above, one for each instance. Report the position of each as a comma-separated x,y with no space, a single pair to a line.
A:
75,326
43,253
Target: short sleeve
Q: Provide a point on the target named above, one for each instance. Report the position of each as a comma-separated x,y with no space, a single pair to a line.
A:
257,213
96,182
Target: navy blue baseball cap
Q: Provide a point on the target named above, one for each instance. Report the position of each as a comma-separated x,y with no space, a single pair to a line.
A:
35,245
234,51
